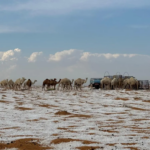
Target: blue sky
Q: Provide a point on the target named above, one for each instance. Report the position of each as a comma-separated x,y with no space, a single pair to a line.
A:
105,29
98,26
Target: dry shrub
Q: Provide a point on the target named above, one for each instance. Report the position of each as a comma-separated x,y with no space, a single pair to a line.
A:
119,98
137,98
88,147
24,144
62,113
66,140
23,108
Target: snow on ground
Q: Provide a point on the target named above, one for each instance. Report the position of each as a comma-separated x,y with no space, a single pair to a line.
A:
68,120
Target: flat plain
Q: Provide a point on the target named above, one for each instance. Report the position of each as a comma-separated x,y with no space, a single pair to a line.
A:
75,120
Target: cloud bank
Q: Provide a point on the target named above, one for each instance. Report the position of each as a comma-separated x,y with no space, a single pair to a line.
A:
9,55
33,56
72,64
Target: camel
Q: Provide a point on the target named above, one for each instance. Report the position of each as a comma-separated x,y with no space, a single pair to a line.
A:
131,82
114,83
65,83
79,82
117,82
32,83
4,83
29,83
45,82
1,83
121,82
50,83
19,82
11,84
125,83
105,81
70,86
54,83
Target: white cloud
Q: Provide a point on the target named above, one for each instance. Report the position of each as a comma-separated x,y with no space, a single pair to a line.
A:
87,55
60,55
9,55
33,56
17,50
108,55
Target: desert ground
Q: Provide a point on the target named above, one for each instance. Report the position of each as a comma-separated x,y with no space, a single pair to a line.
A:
75,120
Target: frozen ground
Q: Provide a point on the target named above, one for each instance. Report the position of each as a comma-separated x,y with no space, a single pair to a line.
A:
88,119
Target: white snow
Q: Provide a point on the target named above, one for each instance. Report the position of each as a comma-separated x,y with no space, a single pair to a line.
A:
112,121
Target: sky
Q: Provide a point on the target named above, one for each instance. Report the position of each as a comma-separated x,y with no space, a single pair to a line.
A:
81,38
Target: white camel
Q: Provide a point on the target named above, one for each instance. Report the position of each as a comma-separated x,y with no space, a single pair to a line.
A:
11,84
114,83
105,81
4,83
131,82
65,84
19,82
79,82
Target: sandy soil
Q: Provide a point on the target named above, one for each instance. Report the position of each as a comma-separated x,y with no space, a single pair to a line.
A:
76,120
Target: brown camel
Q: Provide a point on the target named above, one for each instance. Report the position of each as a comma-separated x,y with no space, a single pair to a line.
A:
45,82
54,83
50,83
29,83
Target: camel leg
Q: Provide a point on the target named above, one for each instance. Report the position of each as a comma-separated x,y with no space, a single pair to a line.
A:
43,87
58,87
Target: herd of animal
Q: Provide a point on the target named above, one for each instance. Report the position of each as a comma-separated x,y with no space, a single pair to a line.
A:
120,82
48,83
10,84
64,84
67,84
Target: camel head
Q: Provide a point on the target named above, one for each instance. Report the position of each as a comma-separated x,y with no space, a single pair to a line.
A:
85,80
23,79
57,82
